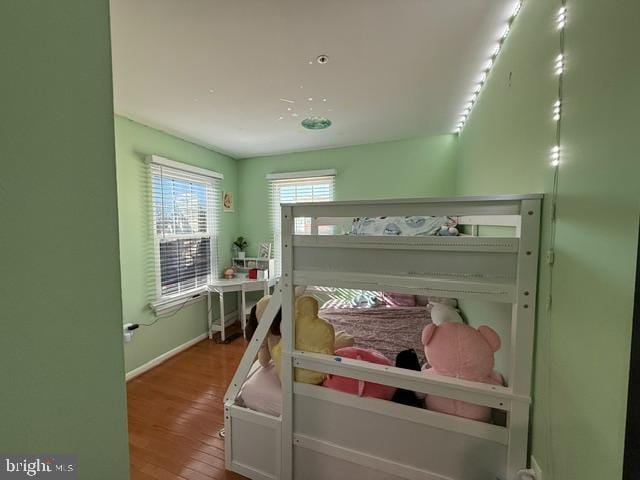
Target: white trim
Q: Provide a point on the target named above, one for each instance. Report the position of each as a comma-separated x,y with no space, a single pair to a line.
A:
163,358
331,172
158,160
167,355
168,304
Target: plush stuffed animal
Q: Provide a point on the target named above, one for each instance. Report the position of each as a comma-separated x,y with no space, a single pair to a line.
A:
313,334
447,231
359,387
273,336
342,339
407,359
443,310
460,351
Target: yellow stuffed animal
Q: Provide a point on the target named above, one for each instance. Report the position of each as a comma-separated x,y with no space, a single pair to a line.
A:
313,334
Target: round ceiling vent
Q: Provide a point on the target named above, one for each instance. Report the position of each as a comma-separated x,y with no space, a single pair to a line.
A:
316,123
322,59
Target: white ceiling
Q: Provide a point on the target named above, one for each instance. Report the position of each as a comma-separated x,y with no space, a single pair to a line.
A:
397,68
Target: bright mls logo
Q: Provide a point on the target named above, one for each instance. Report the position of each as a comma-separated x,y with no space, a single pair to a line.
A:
46,467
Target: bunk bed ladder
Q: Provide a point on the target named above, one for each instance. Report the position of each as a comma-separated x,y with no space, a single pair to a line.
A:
242,372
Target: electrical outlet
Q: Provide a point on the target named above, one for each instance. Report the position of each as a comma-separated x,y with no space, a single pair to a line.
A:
536,468
126,333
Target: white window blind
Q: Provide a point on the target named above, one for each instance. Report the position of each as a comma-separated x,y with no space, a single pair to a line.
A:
186,216
294,190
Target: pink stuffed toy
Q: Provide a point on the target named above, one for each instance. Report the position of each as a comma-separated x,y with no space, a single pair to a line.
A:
460,351
359,387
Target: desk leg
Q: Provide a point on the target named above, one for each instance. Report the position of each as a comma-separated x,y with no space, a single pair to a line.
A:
242,305
209,314
222,335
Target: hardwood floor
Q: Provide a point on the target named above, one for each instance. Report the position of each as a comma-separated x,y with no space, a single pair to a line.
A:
175,412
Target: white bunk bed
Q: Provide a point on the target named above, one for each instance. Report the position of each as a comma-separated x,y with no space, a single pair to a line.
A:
325,434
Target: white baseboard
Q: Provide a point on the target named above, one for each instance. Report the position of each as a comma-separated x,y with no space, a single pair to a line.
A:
173,352
536,468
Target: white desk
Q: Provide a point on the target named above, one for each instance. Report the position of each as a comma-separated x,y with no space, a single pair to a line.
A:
241,285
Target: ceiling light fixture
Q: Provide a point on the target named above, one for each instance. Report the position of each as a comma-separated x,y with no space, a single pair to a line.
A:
322,59
489,65
286,100
316,123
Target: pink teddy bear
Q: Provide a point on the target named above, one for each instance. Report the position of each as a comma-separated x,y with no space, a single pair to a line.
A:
460,351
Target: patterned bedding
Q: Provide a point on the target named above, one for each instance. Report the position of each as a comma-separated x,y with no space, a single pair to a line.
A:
405,226
388,330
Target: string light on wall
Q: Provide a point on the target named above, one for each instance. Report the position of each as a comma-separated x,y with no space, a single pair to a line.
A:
555,156
556,110
558,151
487,69
559,65
559,68
561,19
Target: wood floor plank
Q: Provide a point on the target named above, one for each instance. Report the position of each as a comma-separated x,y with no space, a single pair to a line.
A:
175,412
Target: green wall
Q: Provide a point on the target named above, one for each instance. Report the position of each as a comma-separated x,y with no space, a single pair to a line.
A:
133,142
405,168
62,376
582,350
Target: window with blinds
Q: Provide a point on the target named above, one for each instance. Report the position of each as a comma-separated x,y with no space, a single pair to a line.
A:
295,189
186,225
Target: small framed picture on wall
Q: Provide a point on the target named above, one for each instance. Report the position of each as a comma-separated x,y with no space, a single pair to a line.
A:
227,202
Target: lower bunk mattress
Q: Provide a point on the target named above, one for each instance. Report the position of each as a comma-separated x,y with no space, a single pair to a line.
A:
384,329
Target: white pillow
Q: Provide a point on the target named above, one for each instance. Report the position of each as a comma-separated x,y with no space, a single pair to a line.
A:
262,392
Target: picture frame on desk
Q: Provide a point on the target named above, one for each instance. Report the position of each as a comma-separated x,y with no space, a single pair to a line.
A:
264,251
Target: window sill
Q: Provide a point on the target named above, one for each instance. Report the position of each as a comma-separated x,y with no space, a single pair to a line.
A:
172,304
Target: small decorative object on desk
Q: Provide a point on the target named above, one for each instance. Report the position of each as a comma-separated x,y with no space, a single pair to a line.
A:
264,251
240,243
229,273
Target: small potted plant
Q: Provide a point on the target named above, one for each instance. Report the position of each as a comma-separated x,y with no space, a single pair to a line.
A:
240,244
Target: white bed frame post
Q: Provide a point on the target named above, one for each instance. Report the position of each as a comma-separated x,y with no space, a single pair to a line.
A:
288,343
522,335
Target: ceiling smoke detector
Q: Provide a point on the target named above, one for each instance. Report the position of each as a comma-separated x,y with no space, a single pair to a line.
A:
322,59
